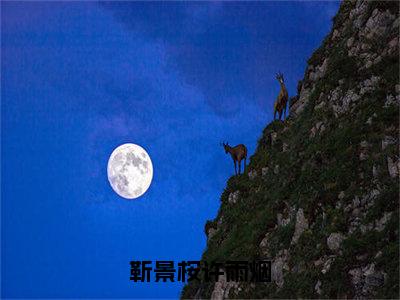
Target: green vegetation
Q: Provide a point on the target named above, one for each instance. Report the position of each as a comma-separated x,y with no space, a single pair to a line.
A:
298,170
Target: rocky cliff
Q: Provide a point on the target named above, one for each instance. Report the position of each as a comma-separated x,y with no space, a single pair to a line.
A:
320,197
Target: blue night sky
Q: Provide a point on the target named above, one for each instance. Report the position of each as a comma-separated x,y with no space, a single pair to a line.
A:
79,79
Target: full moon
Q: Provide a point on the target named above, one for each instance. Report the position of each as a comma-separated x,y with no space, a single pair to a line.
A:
130,171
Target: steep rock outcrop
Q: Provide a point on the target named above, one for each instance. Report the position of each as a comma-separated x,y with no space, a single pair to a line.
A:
321,196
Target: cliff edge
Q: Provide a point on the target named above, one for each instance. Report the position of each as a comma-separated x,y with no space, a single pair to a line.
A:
320,197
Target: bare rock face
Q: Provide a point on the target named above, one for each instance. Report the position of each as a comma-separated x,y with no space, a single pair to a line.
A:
369,85
350,42
377,25
233,197
222,288
279,264
375,171
319,71
252,174
343,104
317,129
277,271
369,199
299,105
358,210
317,287
274,136
357,15
281,220
393,167
276,169
264,171
388,140
372,278
392,101
371,28
320,105
328,260
301,225
284,217
211,233
365,280
264,244
381,223
334,241
364,147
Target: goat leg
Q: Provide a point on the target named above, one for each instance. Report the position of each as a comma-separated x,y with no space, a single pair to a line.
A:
284,113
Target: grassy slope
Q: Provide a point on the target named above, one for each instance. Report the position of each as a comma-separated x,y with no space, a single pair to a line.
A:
312,172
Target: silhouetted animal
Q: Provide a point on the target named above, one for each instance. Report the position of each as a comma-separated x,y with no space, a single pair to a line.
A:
238,153
282,99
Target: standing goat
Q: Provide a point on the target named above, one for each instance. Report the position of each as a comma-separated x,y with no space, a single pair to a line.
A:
238,153
282,99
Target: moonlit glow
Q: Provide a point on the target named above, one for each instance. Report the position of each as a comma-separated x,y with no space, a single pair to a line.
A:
130,171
